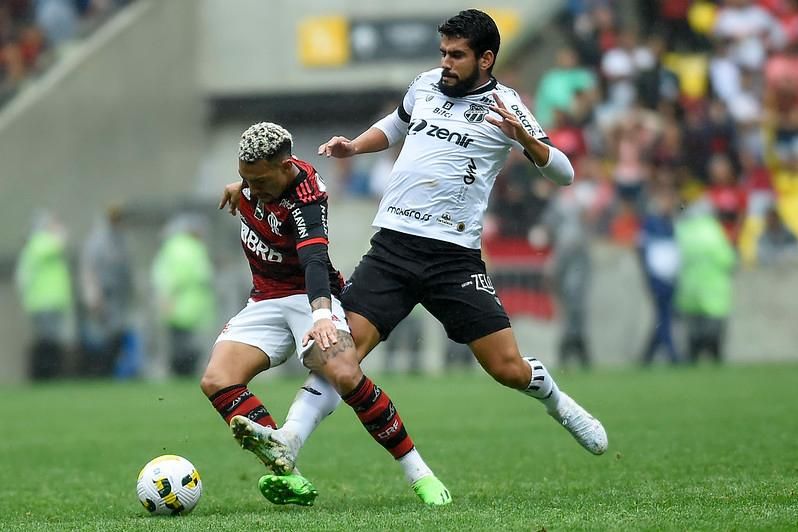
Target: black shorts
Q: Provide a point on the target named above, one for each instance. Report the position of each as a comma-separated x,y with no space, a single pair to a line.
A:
401,270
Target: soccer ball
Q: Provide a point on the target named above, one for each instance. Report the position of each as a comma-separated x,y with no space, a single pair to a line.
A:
169,485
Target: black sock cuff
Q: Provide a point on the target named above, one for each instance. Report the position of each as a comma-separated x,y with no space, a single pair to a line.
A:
356,390
225,390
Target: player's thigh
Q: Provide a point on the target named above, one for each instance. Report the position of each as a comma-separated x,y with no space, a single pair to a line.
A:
339,364
261,325
382,290
298,316
365,334
232,363
459,293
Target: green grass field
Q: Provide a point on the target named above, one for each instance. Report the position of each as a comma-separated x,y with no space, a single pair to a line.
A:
690,449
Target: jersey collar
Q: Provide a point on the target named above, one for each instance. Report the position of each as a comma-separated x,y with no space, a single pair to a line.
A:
487,87
301,176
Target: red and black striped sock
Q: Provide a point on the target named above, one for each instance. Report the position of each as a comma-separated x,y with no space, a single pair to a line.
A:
377,413
237,400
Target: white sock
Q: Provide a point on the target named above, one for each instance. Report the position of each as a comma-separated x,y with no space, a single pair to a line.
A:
316,400
542,386
414,466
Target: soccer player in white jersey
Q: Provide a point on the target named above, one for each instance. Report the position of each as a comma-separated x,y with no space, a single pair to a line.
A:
293,309
458,123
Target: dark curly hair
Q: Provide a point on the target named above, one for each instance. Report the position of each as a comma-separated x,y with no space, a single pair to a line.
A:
475,26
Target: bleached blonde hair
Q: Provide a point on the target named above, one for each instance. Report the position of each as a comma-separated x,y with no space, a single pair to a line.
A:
264,140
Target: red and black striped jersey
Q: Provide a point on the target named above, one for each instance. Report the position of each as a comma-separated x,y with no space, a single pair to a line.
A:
271,234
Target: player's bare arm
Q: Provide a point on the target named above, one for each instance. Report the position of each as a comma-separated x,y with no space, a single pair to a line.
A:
324,331
231,195
371,140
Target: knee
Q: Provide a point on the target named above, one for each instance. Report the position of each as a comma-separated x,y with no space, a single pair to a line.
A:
344,376
212,381
512,372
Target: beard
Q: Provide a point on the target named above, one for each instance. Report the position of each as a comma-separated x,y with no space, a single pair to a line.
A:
461,87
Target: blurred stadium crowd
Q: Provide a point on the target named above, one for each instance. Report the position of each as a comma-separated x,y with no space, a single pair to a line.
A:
31,31
682,128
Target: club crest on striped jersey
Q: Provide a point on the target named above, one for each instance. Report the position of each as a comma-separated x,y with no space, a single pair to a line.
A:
475,113
274,223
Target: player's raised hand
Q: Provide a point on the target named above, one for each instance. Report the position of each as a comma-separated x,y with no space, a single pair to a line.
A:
231,196
323,332
338,147
508,123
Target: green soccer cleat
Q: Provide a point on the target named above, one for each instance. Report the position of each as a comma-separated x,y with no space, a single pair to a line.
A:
431,491
288,489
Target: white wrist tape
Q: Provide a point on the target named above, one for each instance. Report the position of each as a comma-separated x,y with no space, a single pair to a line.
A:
322,314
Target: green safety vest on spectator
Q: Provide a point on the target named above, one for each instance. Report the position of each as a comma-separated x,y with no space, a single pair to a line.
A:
707,265
183,277
42,276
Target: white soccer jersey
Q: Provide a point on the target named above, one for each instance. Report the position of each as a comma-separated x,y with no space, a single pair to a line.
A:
440,184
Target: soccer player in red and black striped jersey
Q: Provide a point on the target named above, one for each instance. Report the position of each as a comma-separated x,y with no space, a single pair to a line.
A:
294,308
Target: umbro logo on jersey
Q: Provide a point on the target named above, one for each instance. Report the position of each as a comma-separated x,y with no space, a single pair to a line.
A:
419,125
476,113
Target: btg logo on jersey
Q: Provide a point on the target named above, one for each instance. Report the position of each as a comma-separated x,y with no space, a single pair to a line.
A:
419,125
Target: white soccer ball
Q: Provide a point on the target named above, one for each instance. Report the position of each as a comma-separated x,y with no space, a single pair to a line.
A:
169,485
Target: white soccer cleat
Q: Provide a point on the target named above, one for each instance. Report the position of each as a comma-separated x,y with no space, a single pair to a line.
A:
275,448
585,429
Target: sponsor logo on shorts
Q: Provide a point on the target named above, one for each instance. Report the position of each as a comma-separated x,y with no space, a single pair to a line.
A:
483,283
311,390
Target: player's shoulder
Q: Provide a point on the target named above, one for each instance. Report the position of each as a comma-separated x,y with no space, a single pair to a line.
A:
505,91
427,78
308,187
